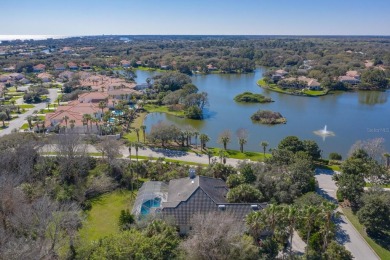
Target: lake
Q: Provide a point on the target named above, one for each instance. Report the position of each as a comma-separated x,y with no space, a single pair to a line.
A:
351,116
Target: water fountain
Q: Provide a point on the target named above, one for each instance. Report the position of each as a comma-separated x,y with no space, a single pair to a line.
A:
324,133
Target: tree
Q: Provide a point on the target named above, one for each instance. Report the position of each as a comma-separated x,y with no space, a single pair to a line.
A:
125,219
137,132
312,149
242,135
335,156
193,112
109,148
3,117
102,105
66,118
326,214
244,193
136,146
196,134
291,143
335,251
351,181
222,156
264,144
203,140
143,128
217,235
29,121
309,215
375,212
209,154
224,138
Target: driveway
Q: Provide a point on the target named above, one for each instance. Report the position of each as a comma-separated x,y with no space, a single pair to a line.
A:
346,233
18,122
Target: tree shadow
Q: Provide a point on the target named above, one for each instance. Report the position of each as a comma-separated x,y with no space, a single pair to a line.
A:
381,238
325,195
341,236
169,153
319,171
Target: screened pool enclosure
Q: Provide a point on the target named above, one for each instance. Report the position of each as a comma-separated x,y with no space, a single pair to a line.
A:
149,198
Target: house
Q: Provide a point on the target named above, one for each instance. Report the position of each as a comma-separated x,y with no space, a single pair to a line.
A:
39,68
353,74
9,69
210,67
125,63
93,97
24,81
139,63
313,84
141,86
72,66
66,50
45,77
349,80
59,67
281,72
182,198
85,66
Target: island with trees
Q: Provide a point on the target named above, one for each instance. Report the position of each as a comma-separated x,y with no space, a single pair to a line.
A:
248,97
268,117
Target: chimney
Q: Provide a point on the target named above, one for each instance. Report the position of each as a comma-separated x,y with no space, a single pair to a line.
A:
192,173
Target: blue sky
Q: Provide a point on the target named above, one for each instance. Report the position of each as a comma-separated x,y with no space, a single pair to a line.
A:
228,17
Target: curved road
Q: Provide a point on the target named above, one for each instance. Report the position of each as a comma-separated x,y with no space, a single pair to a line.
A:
18,122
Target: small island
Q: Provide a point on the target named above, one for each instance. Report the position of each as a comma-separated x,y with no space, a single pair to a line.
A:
268,117
249,97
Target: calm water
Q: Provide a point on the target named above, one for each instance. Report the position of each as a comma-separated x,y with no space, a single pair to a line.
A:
351,116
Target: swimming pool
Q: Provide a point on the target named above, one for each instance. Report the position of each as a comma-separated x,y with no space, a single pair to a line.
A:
147,205
117,112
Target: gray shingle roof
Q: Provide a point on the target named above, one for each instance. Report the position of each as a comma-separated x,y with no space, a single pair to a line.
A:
182,189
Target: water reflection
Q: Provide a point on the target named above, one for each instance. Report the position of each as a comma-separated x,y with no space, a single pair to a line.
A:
372,97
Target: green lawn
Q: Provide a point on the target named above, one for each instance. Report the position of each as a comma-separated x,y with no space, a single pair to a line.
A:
382,186
24,126
315,93
383,253
102,219
235,154
163,109
141,157
26,106
328,167
276,88
132,136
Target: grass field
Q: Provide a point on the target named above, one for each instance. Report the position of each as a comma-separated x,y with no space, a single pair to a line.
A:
382,252
102,219
162,109
253,156
26,106
132,136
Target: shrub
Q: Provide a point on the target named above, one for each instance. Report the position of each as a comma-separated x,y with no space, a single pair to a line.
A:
335,156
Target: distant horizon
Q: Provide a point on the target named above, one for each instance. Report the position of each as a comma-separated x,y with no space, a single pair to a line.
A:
13,37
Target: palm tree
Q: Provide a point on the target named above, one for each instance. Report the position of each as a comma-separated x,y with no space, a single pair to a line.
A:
102,105
130,144
242,141
72,123
292,217
65,118
203,140
264,144
327,213
137,132
143,128
387,156
309,214
29,121
257,223
222,156
196,134
224,138
3,117
209,154
86,119
137,145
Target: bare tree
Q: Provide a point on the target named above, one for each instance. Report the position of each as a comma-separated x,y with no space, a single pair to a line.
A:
374,147
217,235
109,149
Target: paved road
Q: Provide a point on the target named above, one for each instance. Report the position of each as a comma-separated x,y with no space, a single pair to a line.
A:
18,122
346,233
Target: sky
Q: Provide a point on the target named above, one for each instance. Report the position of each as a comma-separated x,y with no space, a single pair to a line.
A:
195,17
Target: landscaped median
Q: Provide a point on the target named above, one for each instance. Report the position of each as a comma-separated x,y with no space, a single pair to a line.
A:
235,154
